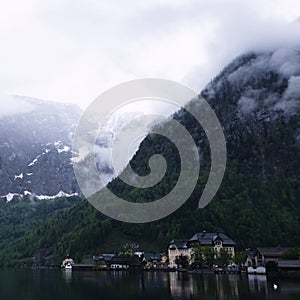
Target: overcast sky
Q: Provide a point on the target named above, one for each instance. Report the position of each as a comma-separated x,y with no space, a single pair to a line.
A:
73,50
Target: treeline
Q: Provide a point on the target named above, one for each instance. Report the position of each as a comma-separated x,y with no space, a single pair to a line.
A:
252,212
21,218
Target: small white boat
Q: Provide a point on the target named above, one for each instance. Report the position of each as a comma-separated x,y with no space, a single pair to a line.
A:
68,266
67,263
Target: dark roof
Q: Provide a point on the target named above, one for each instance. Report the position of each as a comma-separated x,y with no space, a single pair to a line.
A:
152,256
124,259
180,243
108,256
87,261
272,251
103,257
206,238
289,263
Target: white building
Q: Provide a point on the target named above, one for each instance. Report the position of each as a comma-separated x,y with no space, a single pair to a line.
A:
184,247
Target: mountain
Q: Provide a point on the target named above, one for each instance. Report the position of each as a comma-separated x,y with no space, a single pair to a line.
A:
36,139
35,148
257,100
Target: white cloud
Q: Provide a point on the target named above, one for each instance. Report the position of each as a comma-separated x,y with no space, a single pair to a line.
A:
14,105
72,51
247,105
286,61
293,90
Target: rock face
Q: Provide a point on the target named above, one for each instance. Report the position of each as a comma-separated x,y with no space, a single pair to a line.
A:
257,99
35,148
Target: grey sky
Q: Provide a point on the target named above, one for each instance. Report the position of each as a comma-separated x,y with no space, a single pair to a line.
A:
72,51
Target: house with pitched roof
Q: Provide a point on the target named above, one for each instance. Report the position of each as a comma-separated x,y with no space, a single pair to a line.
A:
216,240
176,248
184,247
265,256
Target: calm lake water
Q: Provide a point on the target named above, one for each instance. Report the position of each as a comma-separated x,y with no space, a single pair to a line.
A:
73,285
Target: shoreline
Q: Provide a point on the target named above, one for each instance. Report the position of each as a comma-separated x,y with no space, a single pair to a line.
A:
292,275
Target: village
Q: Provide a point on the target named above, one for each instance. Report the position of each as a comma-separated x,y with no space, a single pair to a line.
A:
209,252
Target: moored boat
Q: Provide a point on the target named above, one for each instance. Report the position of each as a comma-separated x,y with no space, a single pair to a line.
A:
68,266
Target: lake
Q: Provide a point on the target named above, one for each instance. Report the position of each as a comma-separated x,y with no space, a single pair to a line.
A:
73,285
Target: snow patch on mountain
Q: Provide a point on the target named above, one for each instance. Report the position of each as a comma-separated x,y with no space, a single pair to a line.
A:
10,196
61,147
34,161
31,158
19,176
59,194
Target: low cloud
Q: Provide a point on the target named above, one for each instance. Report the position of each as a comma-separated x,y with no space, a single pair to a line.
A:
293,90
286,61
71,51
247,105
283,61
10,105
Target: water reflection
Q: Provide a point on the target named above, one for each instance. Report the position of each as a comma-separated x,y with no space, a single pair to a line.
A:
76,285
181,287
232,286
187,286
67,273
258,284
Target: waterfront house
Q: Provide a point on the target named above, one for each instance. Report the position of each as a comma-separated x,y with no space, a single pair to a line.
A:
184,247
216,240
177,248
124,262
265,256
86,264
155,261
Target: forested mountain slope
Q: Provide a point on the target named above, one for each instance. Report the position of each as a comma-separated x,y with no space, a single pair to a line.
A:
257,100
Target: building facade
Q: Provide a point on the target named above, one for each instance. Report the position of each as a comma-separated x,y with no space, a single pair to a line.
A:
184,247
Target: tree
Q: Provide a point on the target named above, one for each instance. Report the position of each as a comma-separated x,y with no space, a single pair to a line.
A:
197,256
209,254
129,249
224,256
182,261
240,257
292,254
